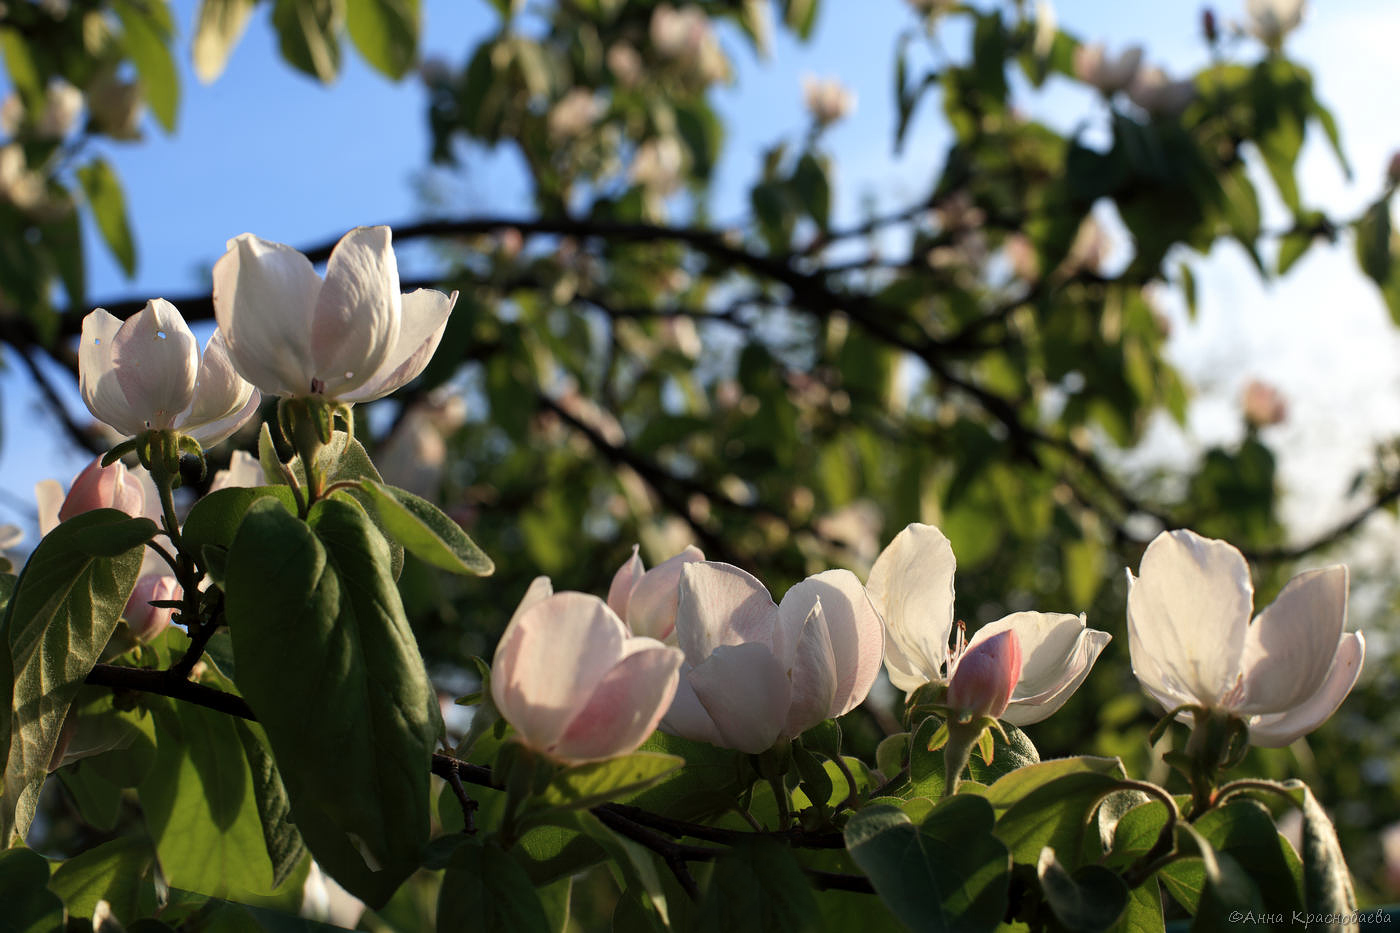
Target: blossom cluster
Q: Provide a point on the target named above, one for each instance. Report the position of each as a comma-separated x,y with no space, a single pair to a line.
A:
700,649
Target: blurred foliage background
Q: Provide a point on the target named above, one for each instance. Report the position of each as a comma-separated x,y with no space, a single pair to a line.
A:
789,389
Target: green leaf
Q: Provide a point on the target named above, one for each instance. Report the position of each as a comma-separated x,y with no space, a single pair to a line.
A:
65,607
587,785
118,872
104,195
30,907
326,659
809,181
758,888
385,32
949,873
1144,911
485,891
217,30
636,863
425,531
283,842
1050,804
1326,880
308,32
147,33
1091,900
111,540
214,519
706,786
20,64
199,806
800,16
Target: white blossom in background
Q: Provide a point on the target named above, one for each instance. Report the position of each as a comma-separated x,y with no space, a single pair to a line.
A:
1094,66
1192,642
243,471
657,165
1153,91
116,107
625,63
62,105
574,114
686,37
414,456
911,586
351,338
146,373
1270,21
22,187
1263,404
827,99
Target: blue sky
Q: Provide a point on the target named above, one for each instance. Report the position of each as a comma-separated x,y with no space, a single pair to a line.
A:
268,151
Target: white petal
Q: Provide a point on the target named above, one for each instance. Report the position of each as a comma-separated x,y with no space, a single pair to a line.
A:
1188,613
745,692
539,589
1282,729
911,586
687,717
555,654
656,597
623,582
812,674
49,494
264,297
358,313
1288,649
722,605
857,635
219,393
243,471
97,380
1057,651
156,358
420,331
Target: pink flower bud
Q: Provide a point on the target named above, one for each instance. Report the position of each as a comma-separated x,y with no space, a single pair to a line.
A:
147,621
99,487
986,675
1263,404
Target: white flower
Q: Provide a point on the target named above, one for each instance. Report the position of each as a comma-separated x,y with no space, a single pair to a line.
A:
911,585
574,114
827,100
352,337
657,165
1158,94
1271,20
146,373
243,471
756,673
647,599
1110,75
1192,642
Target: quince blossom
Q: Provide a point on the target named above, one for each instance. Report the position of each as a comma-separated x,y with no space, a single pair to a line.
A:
95,487
986,675
574,683
756,673
351,338
146,373
1272,20
647,599
144,620
1192,642
911,585
1109,75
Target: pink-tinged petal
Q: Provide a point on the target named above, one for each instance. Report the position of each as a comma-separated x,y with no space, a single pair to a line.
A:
97,377
857,635
421,328
911,587
746,694
1282,729
812,675
1289,647
1188,614
623,582
687,717
264,297
722,605
555,654
156,359
540,588
144,620
48,493
985,676
358,312
625,706
1057,652
220,394
99,487
652,608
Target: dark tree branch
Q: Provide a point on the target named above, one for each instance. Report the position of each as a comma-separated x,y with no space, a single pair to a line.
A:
163,683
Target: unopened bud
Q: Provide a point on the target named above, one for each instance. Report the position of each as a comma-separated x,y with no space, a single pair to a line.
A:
1263,404
986,675
1209,28
147,621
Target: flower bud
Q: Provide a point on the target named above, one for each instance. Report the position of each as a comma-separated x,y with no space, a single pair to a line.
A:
1263,405
99,487
986,675
147,621
647,599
